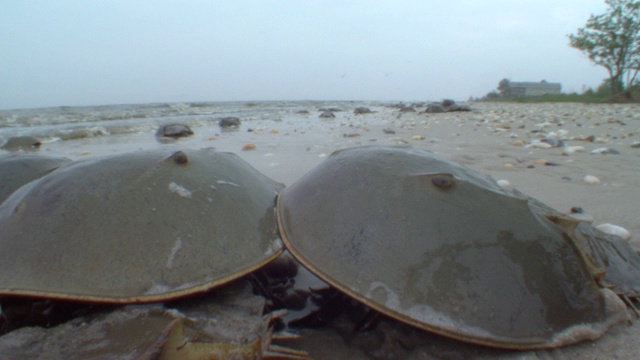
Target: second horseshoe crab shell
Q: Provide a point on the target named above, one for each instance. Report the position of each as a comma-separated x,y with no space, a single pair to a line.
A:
138,227
19,169
442,247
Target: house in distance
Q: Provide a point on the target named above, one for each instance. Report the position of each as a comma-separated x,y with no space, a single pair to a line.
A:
525,88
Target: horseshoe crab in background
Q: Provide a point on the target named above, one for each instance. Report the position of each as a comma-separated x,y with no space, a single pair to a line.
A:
19,169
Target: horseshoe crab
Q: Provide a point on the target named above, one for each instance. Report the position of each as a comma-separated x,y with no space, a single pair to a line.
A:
24,143
19,169
421,239
174,131
445,249
138,227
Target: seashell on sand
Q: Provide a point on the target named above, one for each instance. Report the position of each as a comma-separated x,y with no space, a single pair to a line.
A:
614,230
591,180
568,150
249,147
539,145
505,184
605,151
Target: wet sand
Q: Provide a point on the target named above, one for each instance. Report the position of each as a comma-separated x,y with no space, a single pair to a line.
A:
498,139
493,138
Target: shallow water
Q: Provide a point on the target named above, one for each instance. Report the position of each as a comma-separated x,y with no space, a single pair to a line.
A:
65,123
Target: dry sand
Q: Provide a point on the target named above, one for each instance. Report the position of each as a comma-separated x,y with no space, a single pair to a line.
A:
493,138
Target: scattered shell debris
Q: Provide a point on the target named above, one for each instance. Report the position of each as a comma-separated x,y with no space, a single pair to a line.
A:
180,190
537,144
568,150
248,147
605,151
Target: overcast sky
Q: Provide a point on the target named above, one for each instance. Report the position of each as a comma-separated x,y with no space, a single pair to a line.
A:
79,52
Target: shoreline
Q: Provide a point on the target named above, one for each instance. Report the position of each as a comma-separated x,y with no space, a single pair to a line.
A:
494,138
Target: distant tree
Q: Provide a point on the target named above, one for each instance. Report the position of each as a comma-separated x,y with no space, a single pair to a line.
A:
492,95
604,88
503,87
612,40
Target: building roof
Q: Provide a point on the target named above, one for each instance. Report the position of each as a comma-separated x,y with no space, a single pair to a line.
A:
531,84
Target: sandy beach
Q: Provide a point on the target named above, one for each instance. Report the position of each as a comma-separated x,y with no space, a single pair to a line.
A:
500,139
565,155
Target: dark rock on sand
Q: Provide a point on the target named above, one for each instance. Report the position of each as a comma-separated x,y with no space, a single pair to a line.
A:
407,108
451,105
434,108
327,115
228,122
456,107
446,105
361,110
174,131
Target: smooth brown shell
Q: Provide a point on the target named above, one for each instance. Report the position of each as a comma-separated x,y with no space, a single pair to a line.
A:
19,169
138,227
443,248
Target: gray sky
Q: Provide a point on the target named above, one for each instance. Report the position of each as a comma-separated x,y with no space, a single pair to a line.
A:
79,52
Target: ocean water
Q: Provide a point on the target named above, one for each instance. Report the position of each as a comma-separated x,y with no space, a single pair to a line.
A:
67,123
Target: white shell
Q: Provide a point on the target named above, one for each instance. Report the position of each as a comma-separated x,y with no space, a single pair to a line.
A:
591,180
539,145
568,150
614,230
505,184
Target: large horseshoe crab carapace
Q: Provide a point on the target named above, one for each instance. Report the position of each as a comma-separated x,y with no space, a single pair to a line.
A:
138,227
442,247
